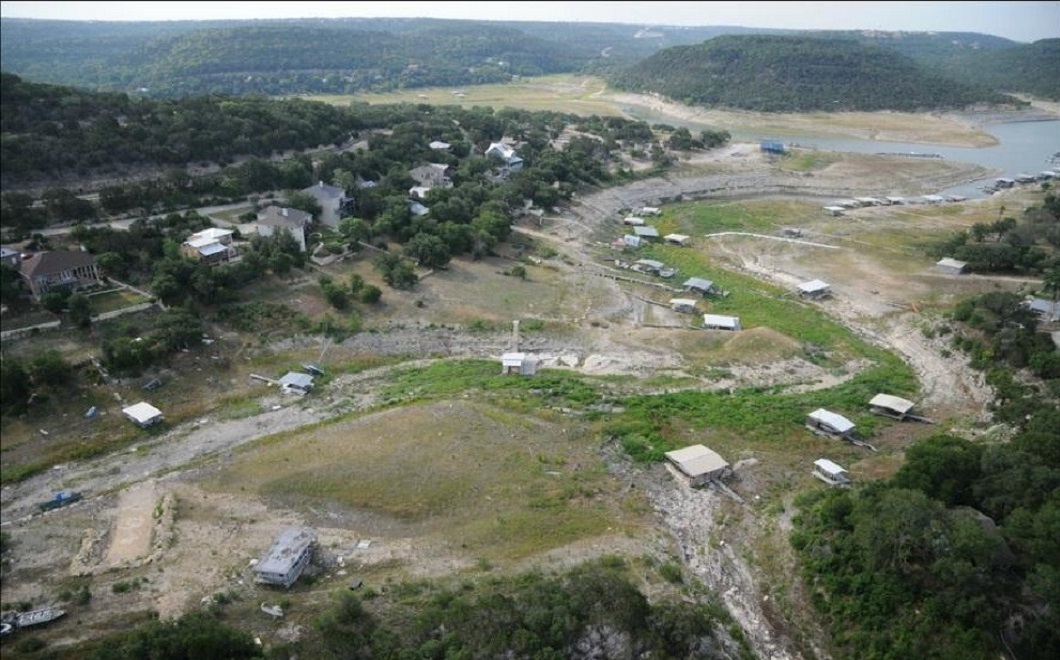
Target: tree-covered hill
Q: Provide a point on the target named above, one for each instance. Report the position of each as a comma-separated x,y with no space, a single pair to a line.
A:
1031,68
48,130
296,56
798,74
978,59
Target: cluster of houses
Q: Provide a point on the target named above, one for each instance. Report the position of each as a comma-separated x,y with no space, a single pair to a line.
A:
839,207
703,466
641,233
44,272
1002,183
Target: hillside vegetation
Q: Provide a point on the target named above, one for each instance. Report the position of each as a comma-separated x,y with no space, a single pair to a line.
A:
343,56
797,74
1033,69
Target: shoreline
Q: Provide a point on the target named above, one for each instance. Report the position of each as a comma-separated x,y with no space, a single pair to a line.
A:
955,129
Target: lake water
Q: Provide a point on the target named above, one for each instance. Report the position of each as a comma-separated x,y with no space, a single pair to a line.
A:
1024,147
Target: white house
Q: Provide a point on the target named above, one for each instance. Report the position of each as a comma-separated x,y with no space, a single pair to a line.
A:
285,560
834,210
143,414
720,322
700,464
209,246
830,473
829,422
509,159
633,221
950,266
890,406
678,239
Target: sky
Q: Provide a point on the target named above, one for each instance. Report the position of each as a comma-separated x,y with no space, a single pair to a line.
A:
1020,21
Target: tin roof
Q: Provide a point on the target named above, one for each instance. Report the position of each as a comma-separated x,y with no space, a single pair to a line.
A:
897,404
837,422
697,460
719,321
142,412
828,466
812,286
698,283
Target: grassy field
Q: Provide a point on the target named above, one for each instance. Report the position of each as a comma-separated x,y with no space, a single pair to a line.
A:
581,95
114,300
589,95
496,483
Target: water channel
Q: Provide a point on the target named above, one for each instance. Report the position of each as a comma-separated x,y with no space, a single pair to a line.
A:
1024,147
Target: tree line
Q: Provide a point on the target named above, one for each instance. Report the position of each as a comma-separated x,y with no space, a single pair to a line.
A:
799,74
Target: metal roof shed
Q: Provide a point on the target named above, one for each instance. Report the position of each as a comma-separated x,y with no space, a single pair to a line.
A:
890,405
814,288
699,285
698,463
646,231
830,473
294,381
951,266
719,322
517,363
143,414
683,305
829,422
649,265
677,239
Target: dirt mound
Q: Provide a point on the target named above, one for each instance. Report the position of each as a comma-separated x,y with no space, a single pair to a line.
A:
758,345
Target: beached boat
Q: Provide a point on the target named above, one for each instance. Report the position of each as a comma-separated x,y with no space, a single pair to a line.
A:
37,617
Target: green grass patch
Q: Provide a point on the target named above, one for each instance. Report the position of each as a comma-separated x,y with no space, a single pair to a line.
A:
565,93
764,216
502,484
759,303
448,378
753,419
808,161
115,300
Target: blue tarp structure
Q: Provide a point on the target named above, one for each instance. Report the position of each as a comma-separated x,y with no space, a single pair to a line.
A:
769,146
